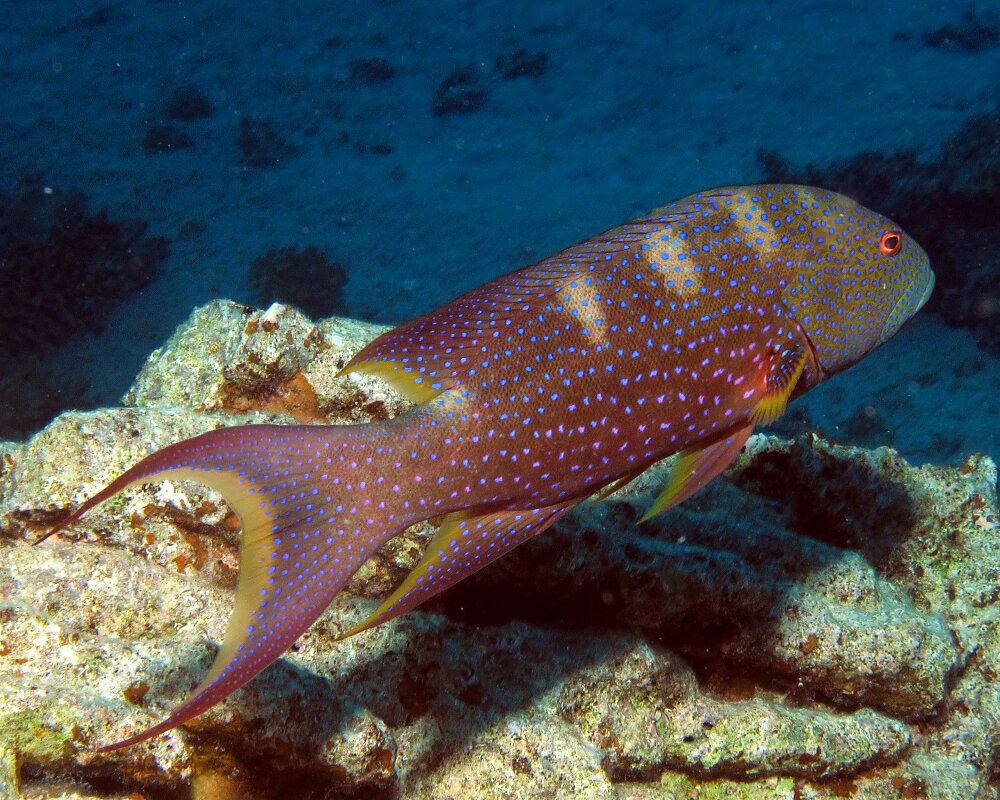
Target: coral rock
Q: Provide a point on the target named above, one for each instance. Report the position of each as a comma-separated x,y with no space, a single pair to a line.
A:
829,613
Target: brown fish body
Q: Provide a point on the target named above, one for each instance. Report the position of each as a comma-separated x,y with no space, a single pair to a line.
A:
674,334
633,397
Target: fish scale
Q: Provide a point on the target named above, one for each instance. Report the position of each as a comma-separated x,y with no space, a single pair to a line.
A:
672,335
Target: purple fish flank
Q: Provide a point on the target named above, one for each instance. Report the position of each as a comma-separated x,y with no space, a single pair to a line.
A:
672,335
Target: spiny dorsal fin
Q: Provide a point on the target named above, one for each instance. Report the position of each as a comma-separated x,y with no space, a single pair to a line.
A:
448,346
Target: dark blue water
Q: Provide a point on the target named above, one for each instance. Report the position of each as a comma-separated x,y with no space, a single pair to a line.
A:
374,160
425,150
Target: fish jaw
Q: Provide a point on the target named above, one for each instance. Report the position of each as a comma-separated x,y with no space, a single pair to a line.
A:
908,305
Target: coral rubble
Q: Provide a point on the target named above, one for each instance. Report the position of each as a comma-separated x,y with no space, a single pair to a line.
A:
462,91
820,623
186,103
64,271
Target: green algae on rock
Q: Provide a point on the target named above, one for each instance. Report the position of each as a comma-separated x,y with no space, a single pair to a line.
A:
8,774
652,715
821,624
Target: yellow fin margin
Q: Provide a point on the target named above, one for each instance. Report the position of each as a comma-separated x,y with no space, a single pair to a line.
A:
410,383
695,467
464,544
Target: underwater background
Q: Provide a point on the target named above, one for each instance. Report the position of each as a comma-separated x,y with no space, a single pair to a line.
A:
414,151
373,161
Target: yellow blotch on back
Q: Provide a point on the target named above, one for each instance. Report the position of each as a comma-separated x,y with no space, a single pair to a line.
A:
666,252
581,302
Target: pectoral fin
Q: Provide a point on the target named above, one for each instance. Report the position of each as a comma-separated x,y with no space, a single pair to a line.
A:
696,466
784,368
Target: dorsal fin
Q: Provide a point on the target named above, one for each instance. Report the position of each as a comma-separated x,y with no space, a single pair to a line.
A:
448,346
435,352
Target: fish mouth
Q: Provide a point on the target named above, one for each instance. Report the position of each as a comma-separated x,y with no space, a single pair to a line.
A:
905,310
927,293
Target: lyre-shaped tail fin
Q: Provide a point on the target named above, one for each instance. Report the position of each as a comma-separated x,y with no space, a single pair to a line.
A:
301,542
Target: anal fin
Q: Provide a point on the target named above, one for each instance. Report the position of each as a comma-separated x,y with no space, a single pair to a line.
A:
464,544
603,494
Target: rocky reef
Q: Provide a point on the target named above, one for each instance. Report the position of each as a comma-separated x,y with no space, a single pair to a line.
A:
820,623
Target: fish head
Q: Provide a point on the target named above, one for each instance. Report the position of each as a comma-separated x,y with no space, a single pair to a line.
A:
853,276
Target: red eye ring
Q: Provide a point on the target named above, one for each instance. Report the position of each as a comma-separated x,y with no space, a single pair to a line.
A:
890,243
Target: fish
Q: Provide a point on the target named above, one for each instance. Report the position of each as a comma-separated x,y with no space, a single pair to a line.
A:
673,335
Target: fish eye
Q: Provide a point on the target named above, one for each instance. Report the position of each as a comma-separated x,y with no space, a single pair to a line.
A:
890,243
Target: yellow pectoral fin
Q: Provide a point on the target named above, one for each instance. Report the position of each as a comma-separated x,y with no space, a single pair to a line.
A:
695,467
783,373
